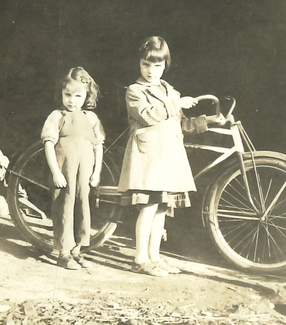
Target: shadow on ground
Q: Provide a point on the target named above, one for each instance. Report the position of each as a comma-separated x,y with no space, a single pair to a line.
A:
187,241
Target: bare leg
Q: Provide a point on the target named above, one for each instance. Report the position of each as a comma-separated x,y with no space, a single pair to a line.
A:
157,233
143,232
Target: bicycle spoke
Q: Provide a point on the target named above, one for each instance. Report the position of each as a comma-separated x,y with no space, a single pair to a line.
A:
268,189
271,238
244,206
278,205
219,214
242,200
275,199
278,228
248,243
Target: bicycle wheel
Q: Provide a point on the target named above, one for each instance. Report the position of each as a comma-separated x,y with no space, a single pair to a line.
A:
253,239
29,200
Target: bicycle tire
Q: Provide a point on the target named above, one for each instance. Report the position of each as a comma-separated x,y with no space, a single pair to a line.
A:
241,235
28,184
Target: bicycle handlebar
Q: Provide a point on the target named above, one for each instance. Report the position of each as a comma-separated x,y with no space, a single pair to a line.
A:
232,106
214,99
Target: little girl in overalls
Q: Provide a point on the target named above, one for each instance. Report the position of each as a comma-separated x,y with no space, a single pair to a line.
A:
73,138
156,174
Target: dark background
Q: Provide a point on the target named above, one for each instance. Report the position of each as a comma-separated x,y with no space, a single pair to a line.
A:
220,47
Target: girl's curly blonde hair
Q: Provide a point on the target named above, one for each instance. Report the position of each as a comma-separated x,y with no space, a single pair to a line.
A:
80,75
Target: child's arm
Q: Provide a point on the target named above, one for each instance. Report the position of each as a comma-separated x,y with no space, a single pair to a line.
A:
142,110
98,155
98,147
58,178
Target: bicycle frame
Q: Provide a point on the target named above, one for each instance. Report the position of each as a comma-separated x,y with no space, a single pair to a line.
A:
240,138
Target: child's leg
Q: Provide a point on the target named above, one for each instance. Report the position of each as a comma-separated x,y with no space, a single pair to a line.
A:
157,233
64,198
63,223
155,241
82,208
143,232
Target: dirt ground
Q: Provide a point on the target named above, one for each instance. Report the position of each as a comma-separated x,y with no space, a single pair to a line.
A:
33,290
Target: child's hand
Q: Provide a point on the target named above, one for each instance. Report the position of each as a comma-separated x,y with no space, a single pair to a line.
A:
59,180
94,179
188,102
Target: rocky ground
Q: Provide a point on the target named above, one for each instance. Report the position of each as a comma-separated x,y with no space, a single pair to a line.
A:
208,291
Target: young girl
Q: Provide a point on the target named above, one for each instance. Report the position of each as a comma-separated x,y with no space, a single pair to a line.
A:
73,138
155,173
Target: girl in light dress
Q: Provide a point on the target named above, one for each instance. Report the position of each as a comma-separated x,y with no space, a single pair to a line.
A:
156,174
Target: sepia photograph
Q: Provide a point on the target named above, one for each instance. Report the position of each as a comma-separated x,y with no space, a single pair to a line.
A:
142,162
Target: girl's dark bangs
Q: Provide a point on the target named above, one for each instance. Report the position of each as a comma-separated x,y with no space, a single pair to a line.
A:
156,56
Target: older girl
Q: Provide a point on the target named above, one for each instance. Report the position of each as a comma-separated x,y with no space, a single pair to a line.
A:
156,174
73,138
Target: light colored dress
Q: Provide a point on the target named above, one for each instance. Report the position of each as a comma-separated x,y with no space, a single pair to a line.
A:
155,166
75,134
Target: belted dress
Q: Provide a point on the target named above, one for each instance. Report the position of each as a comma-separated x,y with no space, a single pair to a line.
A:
75,134
155,167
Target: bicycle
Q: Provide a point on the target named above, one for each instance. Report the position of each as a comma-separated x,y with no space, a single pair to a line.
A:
243,209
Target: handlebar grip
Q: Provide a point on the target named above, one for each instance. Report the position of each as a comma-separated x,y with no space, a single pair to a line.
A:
214,99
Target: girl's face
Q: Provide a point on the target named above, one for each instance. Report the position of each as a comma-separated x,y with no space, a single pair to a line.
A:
152,71
73,96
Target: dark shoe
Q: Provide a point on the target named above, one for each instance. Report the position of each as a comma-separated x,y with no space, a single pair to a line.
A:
149,268
81,261
68,262
164,265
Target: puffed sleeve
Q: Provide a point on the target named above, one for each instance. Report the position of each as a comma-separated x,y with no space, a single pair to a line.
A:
141,110
97,127
50,130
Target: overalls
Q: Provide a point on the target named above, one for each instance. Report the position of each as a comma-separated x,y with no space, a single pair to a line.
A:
70,207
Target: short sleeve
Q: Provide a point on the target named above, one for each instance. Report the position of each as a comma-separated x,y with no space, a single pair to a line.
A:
50,130
97,127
